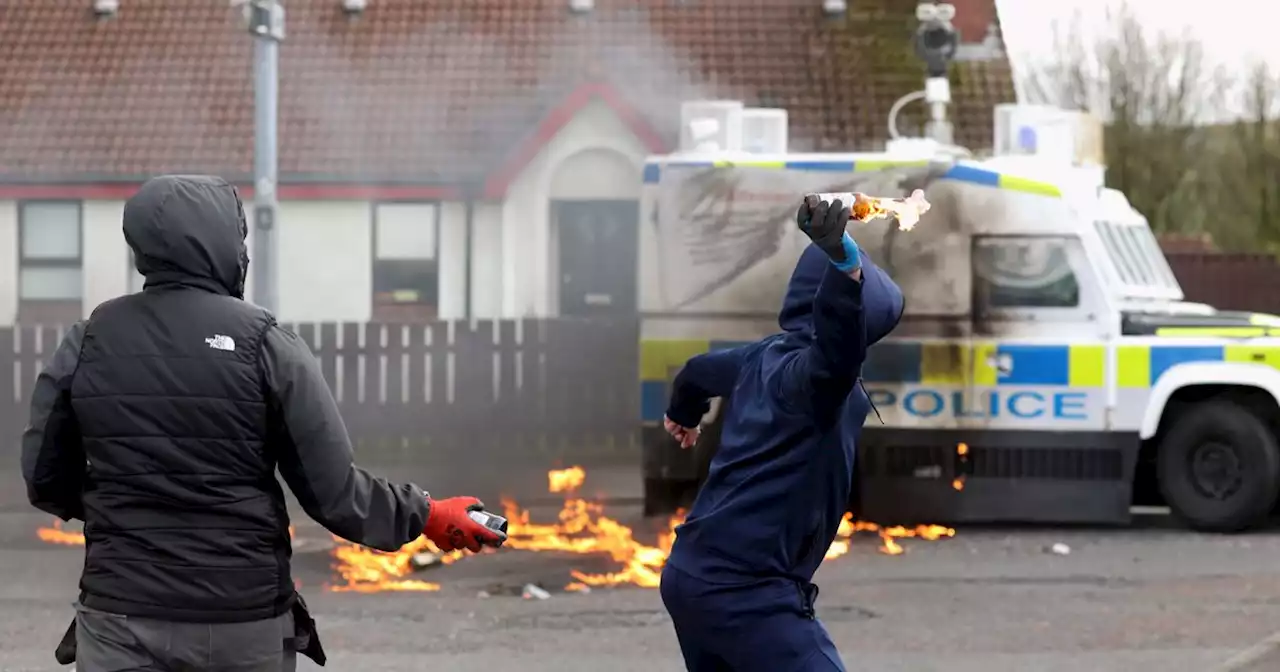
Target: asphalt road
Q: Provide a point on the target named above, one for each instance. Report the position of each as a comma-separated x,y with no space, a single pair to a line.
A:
1145,598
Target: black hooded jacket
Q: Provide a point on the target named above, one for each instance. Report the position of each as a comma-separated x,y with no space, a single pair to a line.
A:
161,420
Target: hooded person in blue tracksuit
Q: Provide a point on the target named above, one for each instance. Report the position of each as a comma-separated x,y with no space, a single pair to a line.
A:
738,583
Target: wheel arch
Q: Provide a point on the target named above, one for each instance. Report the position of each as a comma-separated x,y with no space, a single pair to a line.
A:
1254,384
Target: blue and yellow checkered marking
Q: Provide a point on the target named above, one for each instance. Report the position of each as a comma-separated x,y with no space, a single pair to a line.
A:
959,173
909,362
1163,358
1138,365
1141,365
659,360
958,364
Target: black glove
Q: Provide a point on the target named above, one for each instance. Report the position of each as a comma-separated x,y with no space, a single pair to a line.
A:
825,224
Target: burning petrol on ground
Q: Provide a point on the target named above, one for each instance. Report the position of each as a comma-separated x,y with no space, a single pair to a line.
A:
608,551
581,548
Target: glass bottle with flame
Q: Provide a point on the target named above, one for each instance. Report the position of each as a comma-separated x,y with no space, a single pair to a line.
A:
866,208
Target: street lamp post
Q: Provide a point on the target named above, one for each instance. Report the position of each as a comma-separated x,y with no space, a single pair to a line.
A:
266,25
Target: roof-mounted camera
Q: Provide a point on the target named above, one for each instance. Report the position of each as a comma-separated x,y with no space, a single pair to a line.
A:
936,38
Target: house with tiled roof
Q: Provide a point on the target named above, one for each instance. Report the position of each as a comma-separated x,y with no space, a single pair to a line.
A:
438,158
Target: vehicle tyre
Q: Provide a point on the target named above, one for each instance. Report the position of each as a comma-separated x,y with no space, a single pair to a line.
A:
1219,467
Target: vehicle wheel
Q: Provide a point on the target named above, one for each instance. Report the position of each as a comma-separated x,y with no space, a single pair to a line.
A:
1219,468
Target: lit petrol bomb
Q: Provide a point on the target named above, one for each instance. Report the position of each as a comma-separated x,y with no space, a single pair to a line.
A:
865,208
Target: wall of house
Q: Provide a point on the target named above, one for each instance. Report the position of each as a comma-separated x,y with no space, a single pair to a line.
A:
327,247
8,262
488,271
325,259
107,266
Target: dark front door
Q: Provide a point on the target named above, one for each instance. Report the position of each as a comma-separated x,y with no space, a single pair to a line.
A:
599,246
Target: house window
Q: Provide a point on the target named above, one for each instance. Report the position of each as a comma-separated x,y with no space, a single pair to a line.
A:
405,277
50,282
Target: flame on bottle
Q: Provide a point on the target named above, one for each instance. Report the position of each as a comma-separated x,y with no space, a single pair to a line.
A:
865,208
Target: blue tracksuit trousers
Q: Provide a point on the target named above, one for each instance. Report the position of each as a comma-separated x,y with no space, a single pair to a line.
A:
764,626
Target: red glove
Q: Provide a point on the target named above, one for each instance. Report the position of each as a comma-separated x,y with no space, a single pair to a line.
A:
451,529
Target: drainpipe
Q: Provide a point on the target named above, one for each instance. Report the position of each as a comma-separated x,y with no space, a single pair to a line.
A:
470,196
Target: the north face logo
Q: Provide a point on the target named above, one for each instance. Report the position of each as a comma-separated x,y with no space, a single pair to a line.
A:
220,342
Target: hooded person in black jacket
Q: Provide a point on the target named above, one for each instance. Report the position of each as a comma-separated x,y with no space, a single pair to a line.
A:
160,422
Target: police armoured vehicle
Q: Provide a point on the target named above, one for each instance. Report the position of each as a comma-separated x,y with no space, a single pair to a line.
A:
1047,368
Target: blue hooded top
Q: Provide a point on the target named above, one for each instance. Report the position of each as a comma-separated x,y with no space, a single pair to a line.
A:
780,481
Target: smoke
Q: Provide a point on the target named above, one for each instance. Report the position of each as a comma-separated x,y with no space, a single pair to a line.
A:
407,91
446,94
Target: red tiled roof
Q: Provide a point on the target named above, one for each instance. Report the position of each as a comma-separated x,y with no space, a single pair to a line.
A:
442,91
551,124
973,18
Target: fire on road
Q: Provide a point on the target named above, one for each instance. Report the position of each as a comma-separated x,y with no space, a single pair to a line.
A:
582,528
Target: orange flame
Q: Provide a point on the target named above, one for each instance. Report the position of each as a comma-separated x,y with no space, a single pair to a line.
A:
566,480
888,535
907,210
581,528
962,453
56,535
364,570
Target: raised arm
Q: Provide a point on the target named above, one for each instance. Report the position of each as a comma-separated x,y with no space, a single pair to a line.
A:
817,378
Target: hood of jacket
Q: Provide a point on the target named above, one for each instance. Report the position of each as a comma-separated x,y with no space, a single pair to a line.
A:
189,230
882,300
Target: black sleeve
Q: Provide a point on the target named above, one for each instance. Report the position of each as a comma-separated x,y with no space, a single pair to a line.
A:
53,461
316,460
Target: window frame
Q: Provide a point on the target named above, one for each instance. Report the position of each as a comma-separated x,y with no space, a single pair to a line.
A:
76,263
422,306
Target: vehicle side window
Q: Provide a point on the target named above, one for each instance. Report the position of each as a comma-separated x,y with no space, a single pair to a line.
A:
1023,272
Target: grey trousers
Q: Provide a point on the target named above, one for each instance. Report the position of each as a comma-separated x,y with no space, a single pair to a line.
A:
113,643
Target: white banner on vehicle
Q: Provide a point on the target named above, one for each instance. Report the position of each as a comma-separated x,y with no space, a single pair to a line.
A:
716,223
